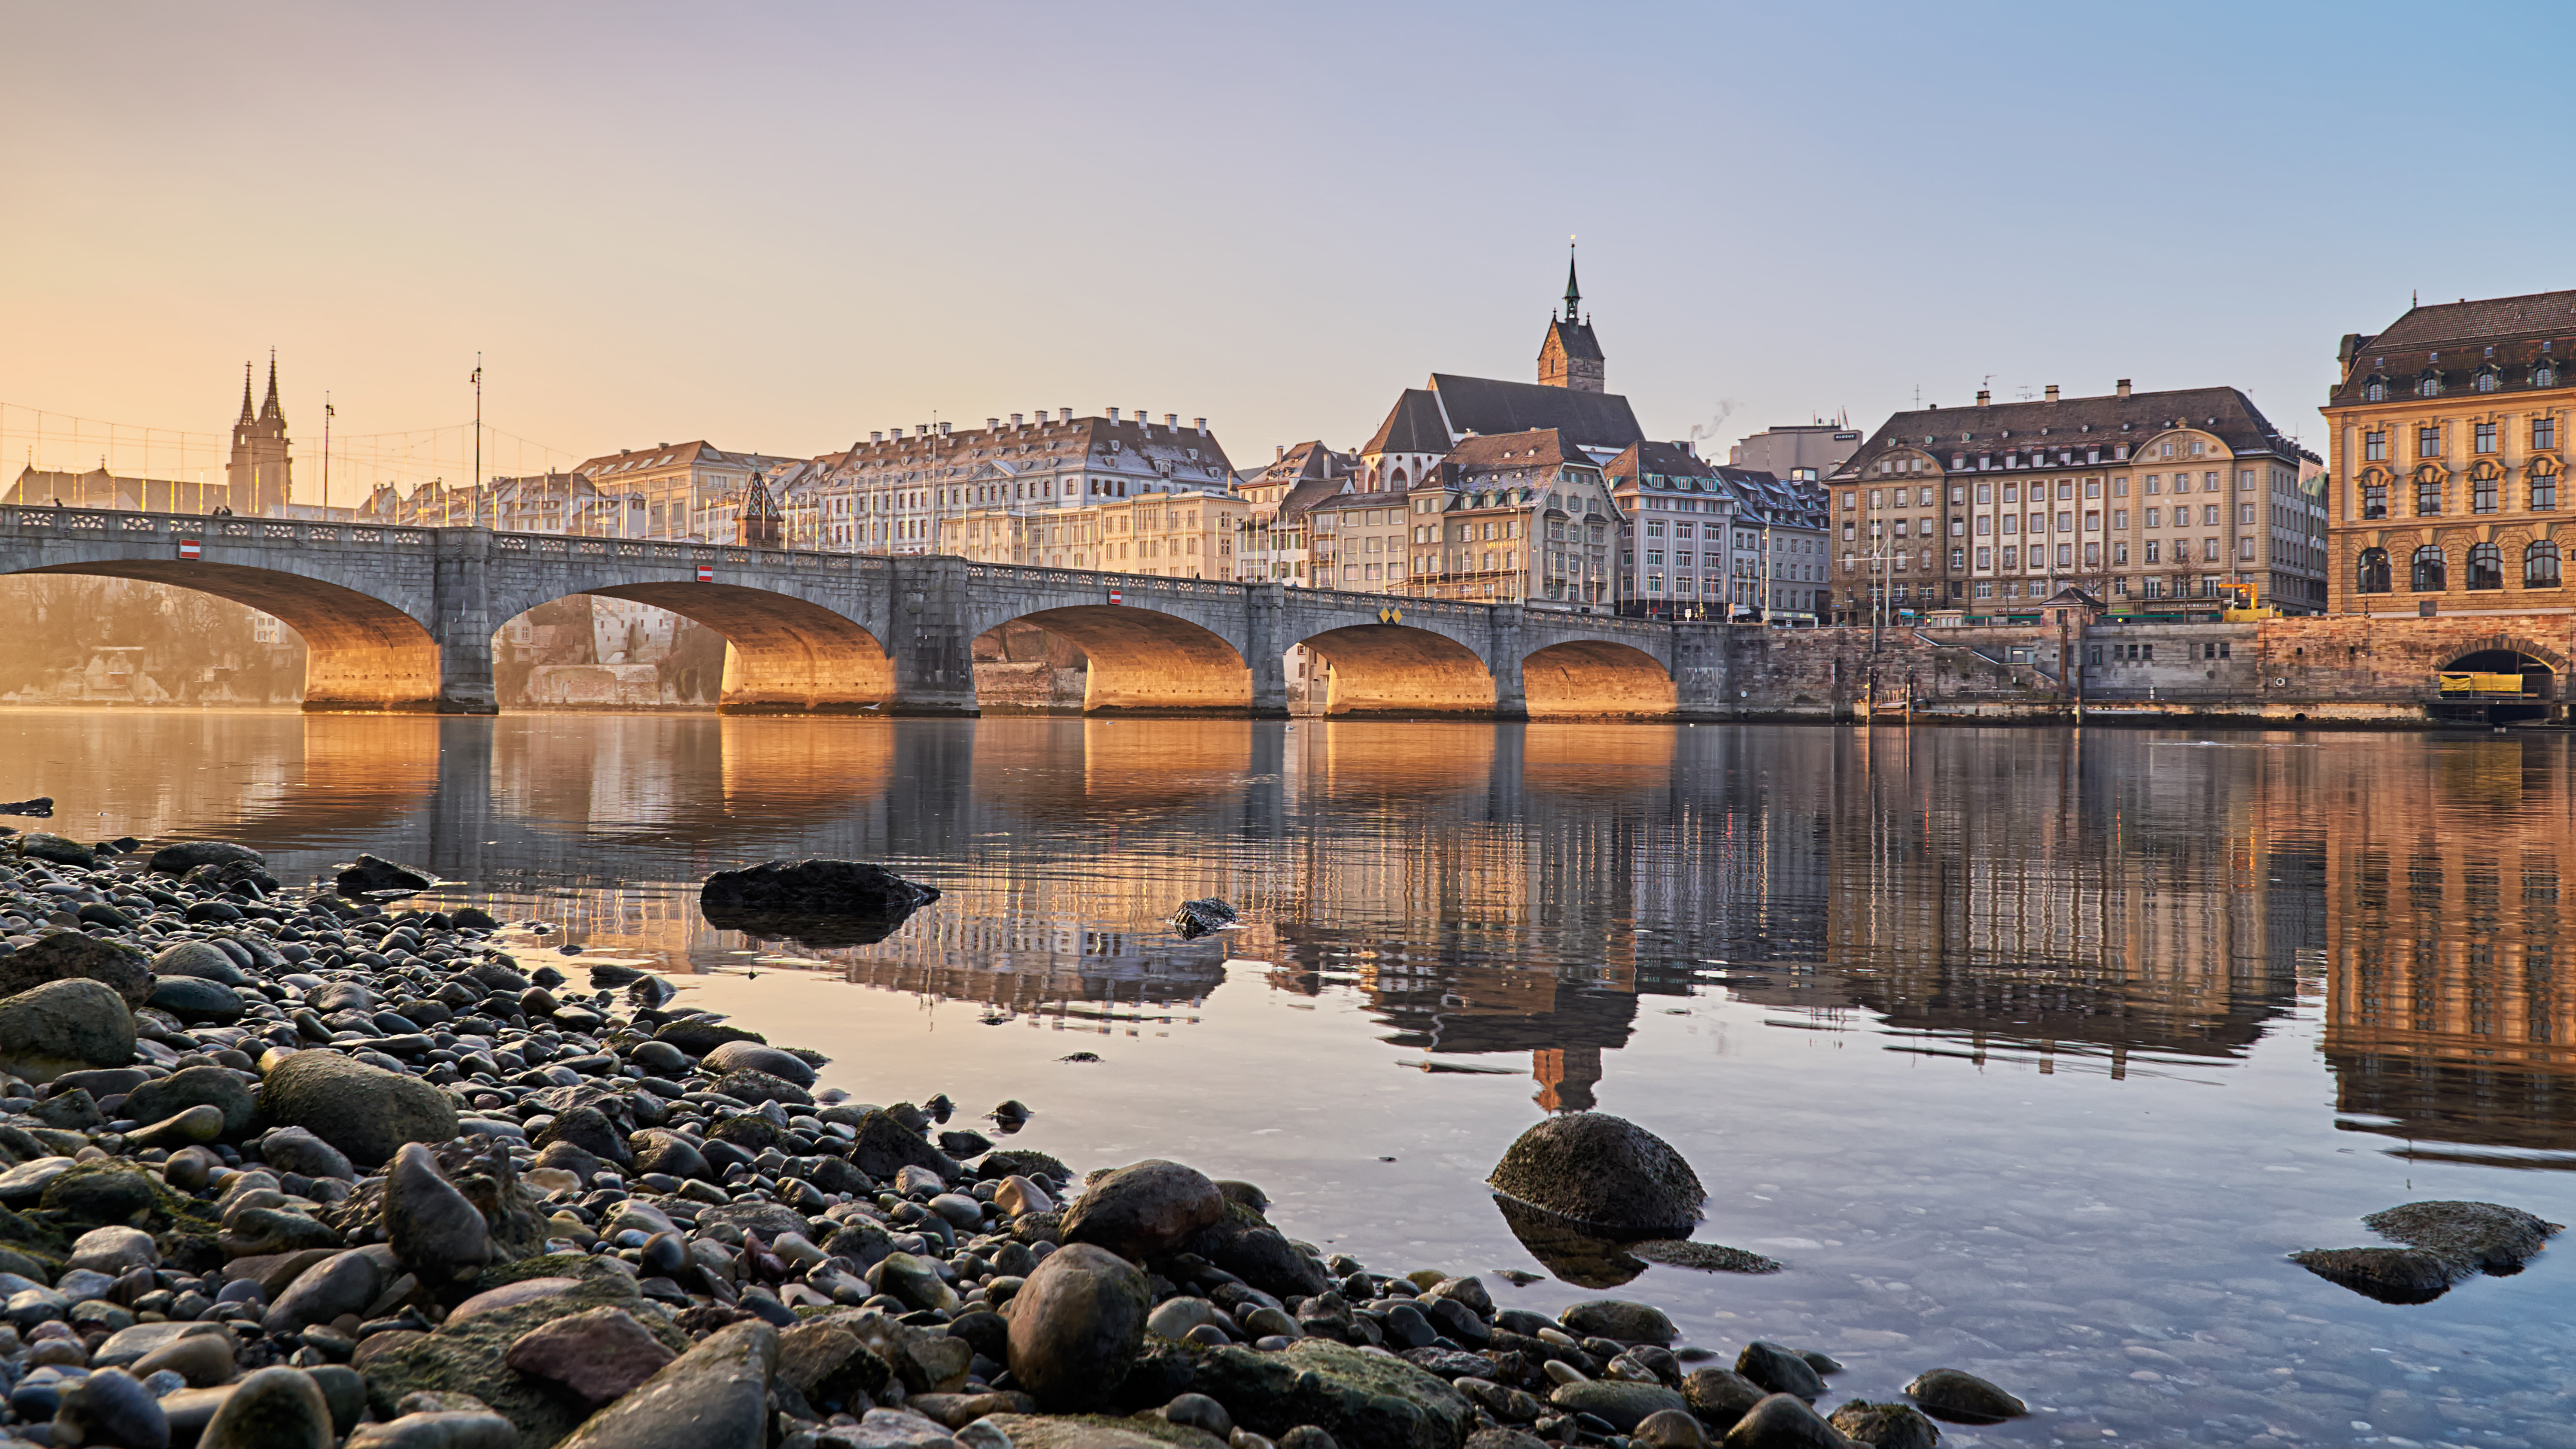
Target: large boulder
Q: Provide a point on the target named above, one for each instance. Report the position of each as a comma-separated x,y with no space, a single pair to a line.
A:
1076,1325
373,875
188,855
1603,1172
885,1147
366,1112
64,1026
1143,1210
715,1396
745,1056
71,956
823,902
1365,1400
1242,1242
45,845
201,959
275,1408
438,1234
2483,1235
194,1000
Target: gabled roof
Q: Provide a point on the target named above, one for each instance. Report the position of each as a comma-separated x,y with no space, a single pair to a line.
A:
1489,405
1574,338
1308,495
2489,319
1413,425
1541,448
2454,341
1669,460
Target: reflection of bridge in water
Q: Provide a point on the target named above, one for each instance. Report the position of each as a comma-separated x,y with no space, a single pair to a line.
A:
2098,902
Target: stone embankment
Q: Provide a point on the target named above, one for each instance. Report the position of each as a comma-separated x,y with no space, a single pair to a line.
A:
338,1173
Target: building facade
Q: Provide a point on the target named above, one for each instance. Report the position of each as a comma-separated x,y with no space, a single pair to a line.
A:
1674,557
2447,450
2140,498
1797,453
690,491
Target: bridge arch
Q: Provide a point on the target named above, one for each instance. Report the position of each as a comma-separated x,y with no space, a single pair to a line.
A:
1596,679
784,655
1147,661
361,652
1397,669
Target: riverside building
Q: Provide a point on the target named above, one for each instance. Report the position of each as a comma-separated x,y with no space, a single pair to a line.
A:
2142,499
2447,435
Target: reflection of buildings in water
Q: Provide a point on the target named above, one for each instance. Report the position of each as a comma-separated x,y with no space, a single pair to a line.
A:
2061,897
2446,1015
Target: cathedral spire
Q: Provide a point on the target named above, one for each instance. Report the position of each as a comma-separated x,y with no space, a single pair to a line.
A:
269,410
246,413
1573,293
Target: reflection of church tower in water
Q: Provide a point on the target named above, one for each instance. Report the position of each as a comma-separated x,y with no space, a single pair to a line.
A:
259,473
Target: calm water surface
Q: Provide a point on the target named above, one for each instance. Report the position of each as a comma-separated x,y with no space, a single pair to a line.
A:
2029,1052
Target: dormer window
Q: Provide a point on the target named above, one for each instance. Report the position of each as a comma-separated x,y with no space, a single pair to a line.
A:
2486,379
2545,375
2429,385
2375,390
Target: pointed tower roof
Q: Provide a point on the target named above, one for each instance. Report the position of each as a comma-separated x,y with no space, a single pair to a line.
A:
246,413
268,411
1573,293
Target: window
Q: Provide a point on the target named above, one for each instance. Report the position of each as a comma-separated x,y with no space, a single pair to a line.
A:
2545,375
2119,519
2208,515
2374,497
2544,488
1878,498
2486,383
2544,432
2428,495
1985,560
1848,497
2429,385
2486,566
2155,483
2428,442
2375,390
2155,551
2245,550
2540,565
2370,572
2245,513
2374,446
1958,558
2431,571
2066,555
2482,491
2012,557
2485,437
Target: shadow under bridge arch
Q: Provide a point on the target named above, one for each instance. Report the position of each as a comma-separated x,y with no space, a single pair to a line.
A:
360,652
1596,679
1394,669
1143,661
784,655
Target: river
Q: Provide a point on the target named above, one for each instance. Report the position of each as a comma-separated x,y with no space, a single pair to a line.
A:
2029,1052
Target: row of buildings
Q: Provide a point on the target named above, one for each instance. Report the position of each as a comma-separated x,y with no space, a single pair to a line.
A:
2441,483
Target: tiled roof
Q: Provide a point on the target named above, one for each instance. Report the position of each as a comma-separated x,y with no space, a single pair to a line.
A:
1575,338
2452,343
1413,425
1489,405
2061,433
1665,460
2490,319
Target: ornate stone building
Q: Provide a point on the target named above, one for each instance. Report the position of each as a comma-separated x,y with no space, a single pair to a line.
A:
2448,449
261,470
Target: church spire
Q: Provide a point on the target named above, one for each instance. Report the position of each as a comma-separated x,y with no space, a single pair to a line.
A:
269,410
246,413
1573,293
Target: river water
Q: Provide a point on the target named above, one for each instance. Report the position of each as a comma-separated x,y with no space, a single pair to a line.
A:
2028,1052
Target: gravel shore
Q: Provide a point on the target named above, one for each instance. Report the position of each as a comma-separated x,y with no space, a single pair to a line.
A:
308,1167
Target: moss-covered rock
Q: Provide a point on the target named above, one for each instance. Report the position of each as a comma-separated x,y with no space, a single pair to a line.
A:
466,1355
1098,1431
1364,1400
115,1190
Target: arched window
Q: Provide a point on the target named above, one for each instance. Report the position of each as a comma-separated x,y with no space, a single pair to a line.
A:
2375,390
2545,375
2432,570
2540,565
2486,566
1395,479
2370,572
2486,379
2429,385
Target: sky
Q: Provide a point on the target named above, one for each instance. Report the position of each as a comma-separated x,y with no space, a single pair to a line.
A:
782,226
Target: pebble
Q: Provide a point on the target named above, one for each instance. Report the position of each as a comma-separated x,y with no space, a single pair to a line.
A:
275,1408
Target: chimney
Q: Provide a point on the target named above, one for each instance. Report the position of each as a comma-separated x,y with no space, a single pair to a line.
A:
2052,392
1015,420
1172,421
1113,415
991,424
876,437
2121,388
1282,453
943,430
1201,425
1983,397
1068,414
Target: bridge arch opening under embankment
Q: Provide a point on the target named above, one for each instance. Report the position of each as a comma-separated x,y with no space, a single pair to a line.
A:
1144,661
361,653
1596,679
785,656
1392,669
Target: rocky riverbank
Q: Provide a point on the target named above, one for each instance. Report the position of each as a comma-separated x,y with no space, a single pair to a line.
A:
328,1171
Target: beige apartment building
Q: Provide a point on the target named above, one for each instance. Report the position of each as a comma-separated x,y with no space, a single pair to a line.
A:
679,490
2141,498
1172,535
2448,441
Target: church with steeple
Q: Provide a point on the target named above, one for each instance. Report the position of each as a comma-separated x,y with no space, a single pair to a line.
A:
259,476
1571,356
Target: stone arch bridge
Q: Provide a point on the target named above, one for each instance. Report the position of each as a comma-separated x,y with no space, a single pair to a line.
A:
402,619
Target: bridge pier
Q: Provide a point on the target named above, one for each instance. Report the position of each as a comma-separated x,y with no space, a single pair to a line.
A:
1267,649
1503,661
934,655
461,602
1703,672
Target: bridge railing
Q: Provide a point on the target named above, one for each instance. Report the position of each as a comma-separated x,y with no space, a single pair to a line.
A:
96,523
1355,600
544,546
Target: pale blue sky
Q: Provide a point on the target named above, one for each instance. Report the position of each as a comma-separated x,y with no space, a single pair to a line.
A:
780,226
